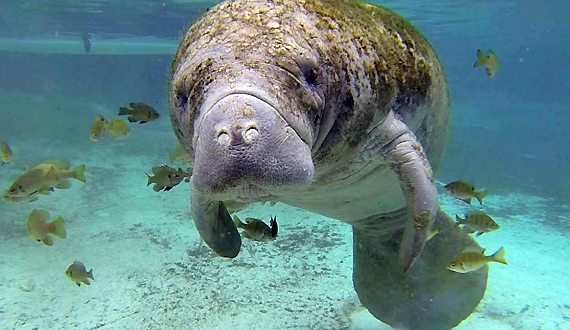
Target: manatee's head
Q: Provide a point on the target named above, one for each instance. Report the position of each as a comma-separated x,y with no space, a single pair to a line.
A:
246,143
249,125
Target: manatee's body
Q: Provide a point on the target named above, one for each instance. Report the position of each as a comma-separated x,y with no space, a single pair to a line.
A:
334,107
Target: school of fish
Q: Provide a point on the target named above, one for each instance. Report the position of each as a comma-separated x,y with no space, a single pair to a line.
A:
477,222
44,178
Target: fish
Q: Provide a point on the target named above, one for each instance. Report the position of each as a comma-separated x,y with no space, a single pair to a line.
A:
179,154
97,131
86,39
477,222
465,190
62,173
166,177
234,206
432,232
118,129
40,230
468,260
5,153
77,273
30,185
41,180
489,61
256,229
140,112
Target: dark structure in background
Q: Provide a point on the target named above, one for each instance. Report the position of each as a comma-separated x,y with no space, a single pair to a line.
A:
86,38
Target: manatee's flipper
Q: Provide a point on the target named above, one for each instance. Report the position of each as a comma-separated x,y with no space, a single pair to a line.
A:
428,296
395,142
215,225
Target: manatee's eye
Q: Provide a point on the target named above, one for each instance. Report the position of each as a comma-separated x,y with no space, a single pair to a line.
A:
462,265
308,68
311,78
452,264
310,75
39,240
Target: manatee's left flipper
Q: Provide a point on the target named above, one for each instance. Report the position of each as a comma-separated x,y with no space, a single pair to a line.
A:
428,296
215,225
398,145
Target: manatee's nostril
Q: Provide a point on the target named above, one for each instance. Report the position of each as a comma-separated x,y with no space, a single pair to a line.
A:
251,133
223,137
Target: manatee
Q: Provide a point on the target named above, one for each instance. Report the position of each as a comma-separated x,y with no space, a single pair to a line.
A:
338,108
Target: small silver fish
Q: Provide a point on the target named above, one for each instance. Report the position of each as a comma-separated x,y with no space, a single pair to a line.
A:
489,61
139,112
40,230
5,153
257,229
468,261
465,190
477,222
166,177
78,273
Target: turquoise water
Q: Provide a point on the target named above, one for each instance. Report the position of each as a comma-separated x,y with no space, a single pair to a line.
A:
509,135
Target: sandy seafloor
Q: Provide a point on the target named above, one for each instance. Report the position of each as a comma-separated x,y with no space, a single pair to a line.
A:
151,272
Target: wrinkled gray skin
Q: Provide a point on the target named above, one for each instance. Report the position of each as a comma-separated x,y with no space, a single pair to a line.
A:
334,107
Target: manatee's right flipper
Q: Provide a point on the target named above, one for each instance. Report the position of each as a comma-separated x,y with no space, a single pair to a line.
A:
393,143
428,296
215,225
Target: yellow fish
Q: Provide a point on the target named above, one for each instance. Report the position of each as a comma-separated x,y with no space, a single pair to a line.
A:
257,229
98,128
5,153
140,112
234,206
179,154
165,177
40,230
118,129
29,185
469,261
490,61
62,172
477,222
465,190
432,232
78,273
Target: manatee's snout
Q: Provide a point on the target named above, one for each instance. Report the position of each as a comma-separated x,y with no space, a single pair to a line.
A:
245,150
